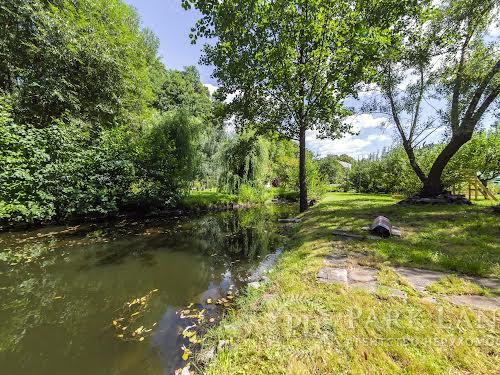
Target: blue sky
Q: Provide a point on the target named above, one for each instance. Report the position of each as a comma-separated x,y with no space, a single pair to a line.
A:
172,25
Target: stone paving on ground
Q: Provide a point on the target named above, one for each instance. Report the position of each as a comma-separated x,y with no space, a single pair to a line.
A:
345,270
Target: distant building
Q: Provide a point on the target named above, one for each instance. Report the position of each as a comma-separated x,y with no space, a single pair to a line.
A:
345,164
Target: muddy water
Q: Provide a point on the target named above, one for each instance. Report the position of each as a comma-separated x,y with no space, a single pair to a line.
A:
67,293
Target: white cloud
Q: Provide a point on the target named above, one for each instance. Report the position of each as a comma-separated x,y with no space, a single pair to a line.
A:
364,121
211,88
378,137
350,144
230,97
494,30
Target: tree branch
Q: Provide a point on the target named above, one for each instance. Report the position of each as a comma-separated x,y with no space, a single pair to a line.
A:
489,99
417,105
470,118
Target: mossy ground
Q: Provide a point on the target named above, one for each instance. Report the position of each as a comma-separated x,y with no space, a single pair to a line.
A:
293,325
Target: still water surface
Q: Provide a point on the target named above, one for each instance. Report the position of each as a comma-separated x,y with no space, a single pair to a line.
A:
62,287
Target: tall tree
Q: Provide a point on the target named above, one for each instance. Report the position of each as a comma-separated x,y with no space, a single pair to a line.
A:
288,65
452,67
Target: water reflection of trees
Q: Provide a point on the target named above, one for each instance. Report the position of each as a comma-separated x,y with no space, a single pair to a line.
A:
43,330
242,235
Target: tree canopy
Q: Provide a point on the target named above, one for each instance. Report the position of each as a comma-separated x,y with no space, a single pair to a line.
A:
444,64
288,66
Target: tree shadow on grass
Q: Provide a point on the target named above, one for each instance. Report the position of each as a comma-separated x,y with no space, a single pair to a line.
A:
459,238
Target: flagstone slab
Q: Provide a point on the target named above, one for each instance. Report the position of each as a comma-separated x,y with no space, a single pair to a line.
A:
419,279
476,302
428,300
362,275
336,260
332,275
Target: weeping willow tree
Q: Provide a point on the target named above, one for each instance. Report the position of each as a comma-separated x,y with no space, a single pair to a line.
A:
243,160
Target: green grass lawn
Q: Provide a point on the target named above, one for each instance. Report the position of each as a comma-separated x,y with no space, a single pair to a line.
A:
293,325
207,198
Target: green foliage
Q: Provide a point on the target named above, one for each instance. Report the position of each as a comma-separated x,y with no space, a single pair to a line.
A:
22,157
289,66
90,120
167,156
207,198
87,58
254,194
284,169
243,161
443,56
60,171
184,90
481,156
330,168
391,171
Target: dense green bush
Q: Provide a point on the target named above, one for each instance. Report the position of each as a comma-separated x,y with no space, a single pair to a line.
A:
91,123
89,58
61,170
167,159
64,170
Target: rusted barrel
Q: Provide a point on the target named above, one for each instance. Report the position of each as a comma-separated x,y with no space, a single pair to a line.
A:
381,226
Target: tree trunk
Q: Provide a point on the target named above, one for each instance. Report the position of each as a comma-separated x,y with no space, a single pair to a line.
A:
302,167
413,162
432,185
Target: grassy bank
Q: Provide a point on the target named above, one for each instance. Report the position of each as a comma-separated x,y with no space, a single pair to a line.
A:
207,199
293,325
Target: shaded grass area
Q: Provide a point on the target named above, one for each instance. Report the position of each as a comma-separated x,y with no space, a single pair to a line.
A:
293,325
463,239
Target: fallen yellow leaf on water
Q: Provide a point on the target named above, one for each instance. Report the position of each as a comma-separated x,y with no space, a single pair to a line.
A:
115,322
186,353
209,300
212,320
119,336
58,297
141,339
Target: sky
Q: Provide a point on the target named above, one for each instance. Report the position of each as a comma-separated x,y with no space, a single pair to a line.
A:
172,24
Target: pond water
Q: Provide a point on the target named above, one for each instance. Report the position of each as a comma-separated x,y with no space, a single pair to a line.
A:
71,296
